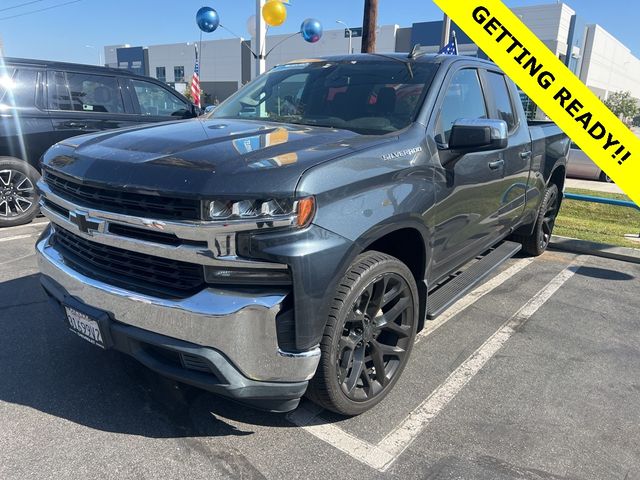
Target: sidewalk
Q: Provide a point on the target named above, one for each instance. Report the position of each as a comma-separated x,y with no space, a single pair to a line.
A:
593,185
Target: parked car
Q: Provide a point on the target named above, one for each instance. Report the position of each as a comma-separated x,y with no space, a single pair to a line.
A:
296,239
581,166
42,103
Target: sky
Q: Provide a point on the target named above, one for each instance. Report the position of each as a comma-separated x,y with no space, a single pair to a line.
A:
63,32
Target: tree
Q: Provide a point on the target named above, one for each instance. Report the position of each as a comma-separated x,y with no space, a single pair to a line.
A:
187,92
369,22
623,106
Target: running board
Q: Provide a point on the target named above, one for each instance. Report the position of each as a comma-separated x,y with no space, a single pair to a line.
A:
450,292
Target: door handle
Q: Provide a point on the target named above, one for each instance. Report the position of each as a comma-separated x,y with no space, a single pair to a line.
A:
497,164
74,125
526,154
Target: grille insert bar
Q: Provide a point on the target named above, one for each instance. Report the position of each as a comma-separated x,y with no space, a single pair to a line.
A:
132,270
126,203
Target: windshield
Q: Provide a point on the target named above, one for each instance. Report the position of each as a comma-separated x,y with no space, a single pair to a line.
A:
368,97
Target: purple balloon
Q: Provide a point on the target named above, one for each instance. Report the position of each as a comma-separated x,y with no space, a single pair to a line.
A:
311,30
207,19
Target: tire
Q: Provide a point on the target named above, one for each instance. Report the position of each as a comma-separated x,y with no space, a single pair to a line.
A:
18,194
605,178
359,342
536,243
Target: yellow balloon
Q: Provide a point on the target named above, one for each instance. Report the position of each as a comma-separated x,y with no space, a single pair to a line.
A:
274,13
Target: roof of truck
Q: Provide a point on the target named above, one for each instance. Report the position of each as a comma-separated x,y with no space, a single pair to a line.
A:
377,57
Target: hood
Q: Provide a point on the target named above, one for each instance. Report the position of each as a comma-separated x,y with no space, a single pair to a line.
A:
203,158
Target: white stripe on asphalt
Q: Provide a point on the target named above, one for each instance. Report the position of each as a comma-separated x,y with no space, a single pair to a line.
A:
382,455
306,416
403,435
471,298
17,237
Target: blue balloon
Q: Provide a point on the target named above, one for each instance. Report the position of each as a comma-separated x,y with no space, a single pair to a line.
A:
311,30
207,19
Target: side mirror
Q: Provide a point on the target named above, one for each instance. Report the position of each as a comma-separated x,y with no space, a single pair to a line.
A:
478,134
195,111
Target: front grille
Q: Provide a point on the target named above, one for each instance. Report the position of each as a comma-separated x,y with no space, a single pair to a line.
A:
124,202
135,271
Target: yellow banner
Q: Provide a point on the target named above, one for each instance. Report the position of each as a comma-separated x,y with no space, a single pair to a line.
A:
551,85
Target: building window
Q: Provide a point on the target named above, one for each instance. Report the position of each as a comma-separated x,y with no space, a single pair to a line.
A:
161,74
178,74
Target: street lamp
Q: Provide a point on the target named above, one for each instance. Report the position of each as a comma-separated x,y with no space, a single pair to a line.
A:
350,33
99,54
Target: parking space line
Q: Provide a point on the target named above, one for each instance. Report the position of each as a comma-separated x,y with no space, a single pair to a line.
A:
472,297
306,417
382,455
35,223
16,237
403,435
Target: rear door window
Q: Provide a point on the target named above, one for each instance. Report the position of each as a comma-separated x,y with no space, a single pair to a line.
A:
84,93
502,99
18,90
155,100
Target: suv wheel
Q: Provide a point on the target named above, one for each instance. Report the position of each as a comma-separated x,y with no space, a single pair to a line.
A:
369,335
536,243
605,178
18,194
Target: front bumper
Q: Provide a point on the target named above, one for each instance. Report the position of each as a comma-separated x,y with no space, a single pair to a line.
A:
233,327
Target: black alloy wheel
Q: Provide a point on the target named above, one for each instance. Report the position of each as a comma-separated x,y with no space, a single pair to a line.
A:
369,335
550,208
536,243
375,337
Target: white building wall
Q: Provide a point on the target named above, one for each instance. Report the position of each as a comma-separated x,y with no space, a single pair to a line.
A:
220,60
609,66
549,22
170,56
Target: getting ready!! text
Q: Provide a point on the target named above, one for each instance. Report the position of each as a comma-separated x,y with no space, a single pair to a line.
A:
546,80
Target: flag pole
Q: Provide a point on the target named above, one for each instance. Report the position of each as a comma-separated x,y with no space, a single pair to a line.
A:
455,40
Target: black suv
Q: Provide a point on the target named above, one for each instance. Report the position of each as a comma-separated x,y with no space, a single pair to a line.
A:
42,103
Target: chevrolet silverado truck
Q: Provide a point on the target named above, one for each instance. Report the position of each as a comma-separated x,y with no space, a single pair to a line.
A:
296,239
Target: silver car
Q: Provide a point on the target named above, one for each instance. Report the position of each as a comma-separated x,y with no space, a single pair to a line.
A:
581,166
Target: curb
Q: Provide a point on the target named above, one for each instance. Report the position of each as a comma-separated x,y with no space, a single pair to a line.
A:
574,245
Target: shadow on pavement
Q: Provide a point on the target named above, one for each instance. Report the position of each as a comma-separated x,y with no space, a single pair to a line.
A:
603,273
47,368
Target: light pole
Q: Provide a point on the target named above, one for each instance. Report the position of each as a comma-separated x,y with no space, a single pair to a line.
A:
261,39
350,34
99,54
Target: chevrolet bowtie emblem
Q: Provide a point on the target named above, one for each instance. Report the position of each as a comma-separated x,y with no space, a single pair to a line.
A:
85,223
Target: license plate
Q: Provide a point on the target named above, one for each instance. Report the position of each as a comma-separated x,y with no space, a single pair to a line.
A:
85,327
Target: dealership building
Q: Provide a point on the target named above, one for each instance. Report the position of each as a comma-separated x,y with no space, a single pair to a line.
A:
600,60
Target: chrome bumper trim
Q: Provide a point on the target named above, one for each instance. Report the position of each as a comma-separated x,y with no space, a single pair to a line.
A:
241,325
220,237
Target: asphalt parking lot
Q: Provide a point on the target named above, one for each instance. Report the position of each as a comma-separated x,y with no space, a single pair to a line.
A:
534,375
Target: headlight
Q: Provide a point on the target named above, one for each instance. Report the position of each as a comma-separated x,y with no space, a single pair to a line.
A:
300,211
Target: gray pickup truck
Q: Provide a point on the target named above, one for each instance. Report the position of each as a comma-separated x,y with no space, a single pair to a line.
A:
296,239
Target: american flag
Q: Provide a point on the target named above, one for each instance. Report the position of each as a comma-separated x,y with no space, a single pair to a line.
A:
450,48
195,84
